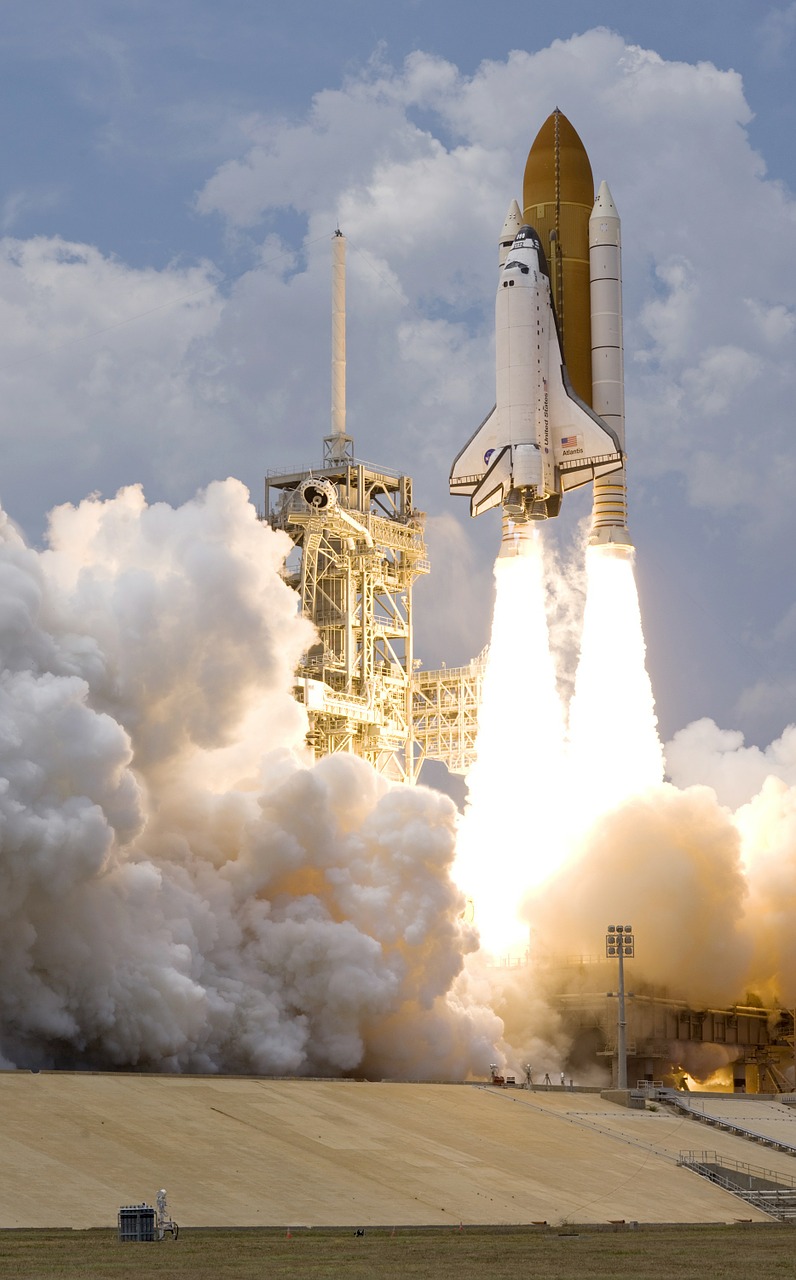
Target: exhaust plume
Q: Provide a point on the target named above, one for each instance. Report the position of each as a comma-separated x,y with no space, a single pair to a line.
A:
614,749
509,836
710,892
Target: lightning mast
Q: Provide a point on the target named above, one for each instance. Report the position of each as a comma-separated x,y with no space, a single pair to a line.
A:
338,445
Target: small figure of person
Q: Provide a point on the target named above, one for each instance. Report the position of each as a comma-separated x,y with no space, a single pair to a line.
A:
563,1080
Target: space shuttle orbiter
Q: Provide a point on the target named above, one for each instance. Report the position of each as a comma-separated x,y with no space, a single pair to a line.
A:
541,439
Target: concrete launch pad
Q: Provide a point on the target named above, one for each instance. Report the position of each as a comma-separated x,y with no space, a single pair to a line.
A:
252,1152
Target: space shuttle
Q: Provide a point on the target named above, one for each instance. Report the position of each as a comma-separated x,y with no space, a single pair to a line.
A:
541,439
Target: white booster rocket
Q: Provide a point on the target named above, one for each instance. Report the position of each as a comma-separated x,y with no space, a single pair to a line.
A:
609,516
541,439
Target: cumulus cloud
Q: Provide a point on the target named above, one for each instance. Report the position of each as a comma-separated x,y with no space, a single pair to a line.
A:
718,758
97,371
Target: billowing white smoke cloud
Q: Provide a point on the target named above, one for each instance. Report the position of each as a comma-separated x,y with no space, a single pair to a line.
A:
768,845
759,788
180,889
668,862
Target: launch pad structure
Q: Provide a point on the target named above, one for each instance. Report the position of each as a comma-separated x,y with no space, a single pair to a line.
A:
359,548
751,1047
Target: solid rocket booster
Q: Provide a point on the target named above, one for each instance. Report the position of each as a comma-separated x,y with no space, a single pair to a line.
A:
609,515
509,233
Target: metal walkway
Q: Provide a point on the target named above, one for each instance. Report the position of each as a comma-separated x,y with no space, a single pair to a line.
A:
689,1107
771,1192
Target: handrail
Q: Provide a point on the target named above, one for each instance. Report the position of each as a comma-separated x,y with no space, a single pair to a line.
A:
778,1201
729,1126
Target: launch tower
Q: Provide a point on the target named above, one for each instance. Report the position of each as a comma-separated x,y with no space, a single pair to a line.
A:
358,549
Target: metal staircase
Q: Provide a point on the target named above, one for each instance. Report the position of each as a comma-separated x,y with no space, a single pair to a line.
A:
771,1192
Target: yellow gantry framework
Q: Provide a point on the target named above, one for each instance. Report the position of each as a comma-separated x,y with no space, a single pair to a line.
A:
359,549
445,713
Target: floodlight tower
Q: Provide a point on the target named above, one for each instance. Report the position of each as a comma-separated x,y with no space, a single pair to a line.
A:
619,942
360,548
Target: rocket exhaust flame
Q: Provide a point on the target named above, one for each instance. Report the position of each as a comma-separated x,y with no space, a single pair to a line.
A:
514,805
533,792
711,892
614,748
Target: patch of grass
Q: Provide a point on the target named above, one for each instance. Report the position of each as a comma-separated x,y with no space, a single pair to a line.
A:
557,1253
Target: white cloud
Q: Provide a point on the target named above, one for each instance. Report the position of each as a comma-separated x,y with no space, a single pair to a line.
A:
722,374
97,375
776,32
776,322
767,700
704,753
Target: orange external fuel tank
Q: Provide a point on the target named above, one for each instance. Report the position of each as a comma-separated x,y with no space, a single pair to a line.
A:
558,198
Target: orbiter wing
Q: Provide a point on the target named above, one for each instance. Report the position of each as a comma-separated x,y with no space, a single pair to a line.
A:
470,466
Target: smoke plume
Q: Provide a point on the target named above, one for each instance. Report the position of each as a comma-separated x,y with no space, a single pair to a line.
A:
182,890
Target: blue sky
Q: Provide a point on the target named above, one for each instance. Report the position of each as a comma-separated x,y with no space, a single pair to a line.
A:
120,110
171,175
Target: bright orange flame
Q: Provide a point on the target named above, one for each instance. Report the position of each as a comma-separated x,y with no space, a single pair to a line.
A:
720,1081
